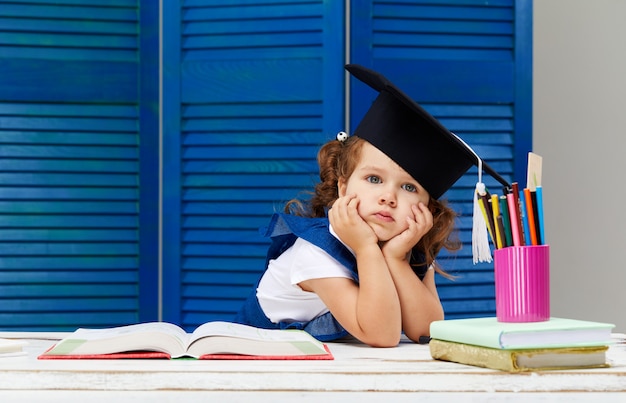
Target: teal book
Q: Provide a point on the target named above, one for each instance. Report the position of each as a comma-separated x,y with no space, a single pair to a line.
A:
556,332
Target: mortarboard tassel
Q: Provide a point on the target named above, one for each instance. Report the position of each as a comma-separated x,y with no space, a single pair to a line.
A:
480,239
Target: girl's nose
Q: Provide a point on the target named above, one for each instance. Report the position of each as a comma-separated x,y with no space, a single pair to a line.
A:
388,198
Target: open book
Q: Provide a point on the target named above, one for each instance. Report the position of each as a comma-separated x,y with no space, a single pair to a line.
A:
212,340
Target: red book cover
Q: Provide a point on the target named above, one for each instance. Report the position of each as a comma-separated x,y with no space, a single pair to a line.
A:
208,342
141,355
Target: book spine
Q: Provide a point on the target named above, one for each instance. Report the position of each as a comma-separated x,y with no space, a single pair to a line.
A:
473,355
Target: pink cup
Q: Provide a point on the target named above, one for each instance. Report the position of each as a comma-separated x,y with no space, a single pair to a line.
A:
522,277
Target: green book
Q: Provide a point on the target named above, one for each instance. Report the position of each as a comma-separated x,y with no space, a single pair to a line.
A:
556,332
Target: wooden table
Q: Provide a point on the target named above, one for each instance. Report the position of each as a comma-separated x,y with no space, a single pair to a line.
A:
358,373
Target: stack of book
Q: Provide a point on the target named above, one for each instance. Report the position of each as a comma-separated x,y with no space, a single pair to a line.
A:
557,343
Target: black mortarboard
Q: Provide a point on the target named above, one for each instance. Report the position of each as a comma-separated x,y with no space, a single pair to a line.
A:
413,138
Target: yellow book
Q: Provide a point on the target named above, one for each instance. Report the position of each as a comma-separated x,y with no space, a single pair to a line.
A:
524,360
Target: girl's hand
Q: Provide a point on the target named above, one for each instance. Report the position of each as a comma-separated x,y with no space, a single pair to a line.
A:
399,246
348,224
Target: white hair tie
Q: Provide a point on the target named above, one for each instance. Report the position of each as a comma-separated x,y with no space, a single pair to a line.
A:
342,136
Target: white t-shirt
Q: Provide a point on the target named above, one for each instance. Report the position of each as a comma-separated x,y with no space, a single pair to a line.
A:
278,293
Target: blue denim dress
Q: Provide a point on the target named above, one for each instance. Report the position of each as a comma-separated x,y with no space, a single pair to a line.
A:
284,229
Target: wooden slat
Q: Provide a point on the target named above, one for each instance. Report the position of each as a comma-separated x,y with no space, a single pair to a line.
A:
58,305
69,263
74,11
72,234
250,27
64,321
54,80
433,12
237,267
98,3
259,79
68,277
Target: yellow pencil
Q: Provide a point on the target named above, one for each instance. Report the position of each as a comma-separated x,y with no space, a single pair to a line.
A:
488,221
495,205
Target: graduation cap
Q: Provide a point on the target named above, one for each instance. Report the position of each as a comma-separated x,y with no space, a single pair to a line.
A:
414,139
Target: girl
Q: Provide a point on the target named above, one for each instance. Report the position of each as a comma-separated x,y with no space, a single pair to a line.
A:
358,257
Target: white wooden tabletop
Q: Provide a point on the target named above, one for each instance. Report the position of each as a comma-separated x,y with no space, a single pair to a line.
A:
369,374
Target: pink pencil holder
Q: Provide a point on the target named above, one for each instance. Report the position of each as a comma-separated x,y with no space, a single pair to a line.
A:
522,279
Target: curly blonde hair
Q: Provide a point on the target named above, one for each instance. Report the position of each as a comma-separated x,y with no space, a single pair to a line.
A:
337,160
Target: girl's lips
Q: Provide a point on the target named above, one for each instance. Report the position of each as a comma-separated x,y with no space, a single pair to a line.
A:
384,216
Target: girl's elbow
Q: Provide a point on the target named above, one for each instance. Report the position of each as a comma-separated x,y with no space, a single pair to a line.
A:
414,334
383,341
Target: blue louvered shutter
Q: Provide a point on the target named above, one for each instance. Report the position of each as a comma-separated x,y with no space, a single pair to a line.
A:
252,89
468,62
78,147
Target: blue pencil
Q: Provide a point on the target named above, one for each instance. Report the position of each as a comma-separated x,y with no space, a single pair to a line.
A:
525,224
539,191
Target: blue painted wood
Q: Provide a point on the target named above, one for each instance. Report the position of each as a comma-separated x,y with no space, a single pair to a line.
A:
171,164
47,80
467,62
65,263
59,321
224,115
96,10
259,90
149,159
523,88
78,125
71,234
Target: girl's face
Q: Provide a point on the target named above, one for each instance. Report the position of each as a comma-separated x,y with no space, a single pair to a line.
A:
385,191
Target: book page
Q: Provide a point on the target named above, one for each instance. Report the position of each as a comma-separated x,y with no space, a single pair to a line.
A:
216,345
233,338
152,336
247,332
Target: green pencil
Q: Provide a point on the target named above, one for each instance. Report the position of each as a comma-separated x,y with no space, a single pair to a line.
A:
506,220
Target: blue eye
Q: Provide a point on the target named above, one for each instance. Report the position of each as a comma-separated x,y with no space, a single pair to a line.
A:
409,188
373,179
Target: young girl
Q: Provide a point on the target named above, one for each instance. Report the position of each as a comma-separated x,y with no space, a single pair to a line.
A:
359,256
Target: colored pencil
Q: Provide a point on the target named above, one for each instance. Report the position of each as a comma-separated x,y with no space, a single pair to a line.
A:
531,216
514,216
506,220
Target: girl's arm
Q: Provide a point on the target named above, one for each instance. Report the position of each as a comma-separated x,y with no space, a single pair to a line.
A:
370,311
419,300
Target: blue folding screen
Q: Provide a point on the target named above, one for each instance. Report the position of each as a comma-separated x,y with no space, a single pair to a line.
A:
252,89
78,153
470,64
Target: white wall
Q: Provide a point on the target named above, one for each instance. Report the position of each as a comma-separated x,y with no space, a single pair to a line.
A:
579,127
